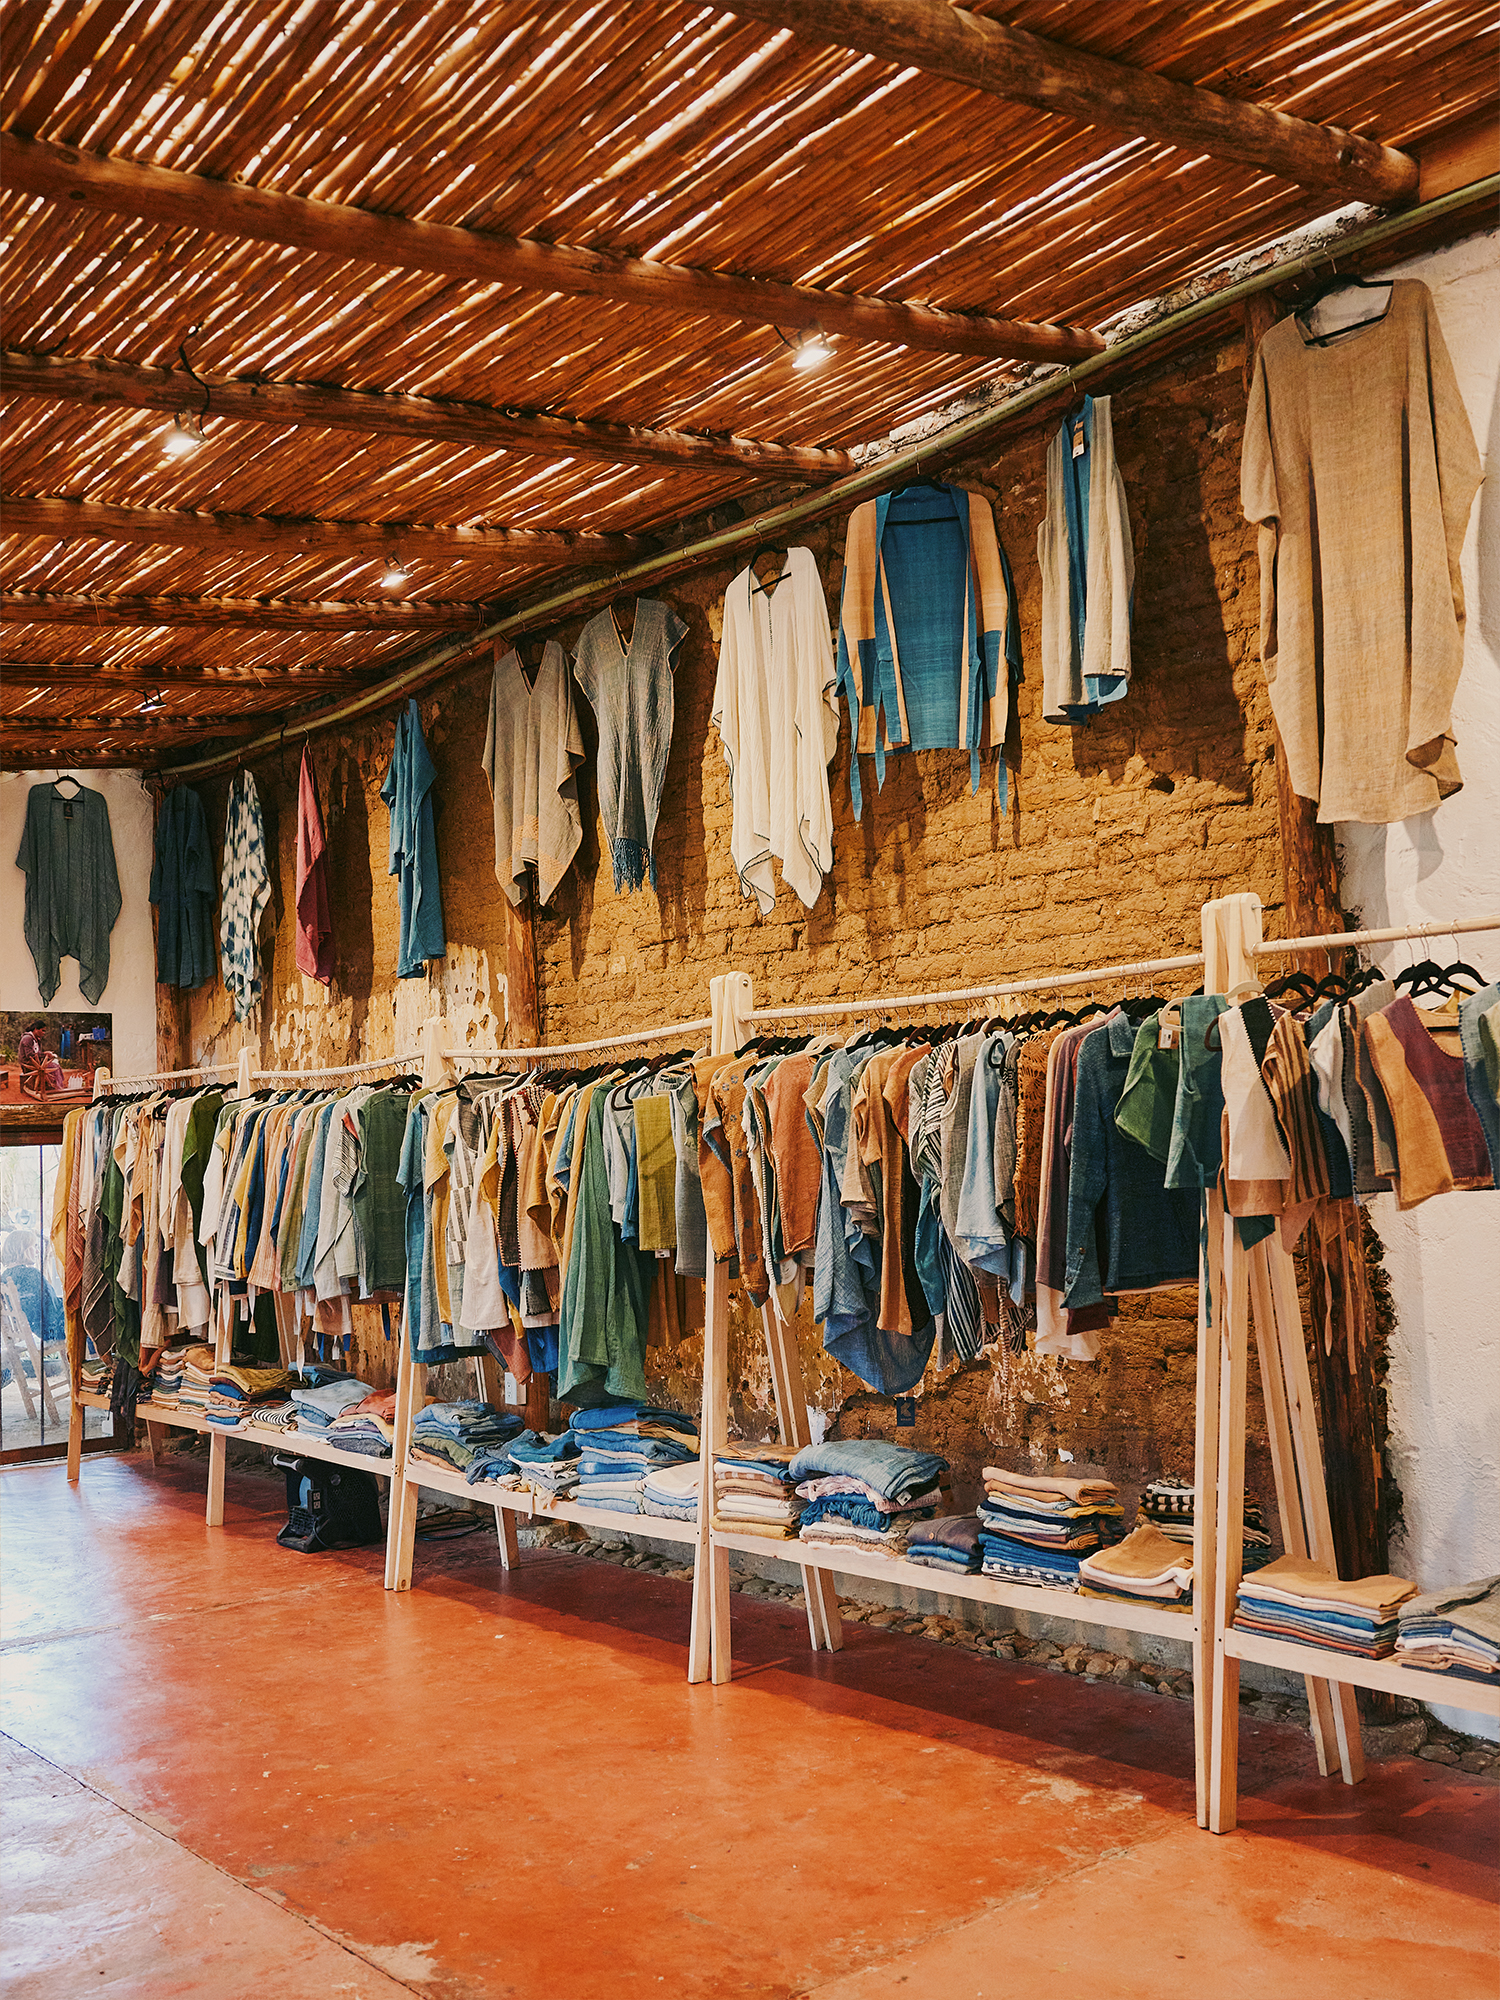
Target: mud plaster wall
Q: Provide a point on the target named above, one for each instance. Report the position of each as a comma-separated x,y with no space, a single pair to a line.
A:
1120,832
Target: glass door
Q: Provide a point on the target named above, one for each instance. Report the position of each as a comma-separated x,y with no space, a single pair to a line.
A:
35,1391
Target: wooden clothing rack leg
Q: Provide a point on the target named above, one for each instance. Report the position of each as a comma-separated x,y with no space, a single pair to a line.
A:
1262,1278
708,1641
824,1624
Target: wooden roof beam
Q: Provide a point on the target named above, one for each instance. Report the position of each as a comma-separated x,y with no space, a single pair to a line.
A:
290,538
270,614
985,55
418,418
229,208
31,677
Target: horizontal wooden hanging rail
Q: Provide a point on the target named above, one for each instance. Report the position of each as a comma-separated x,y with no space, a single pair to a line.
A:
669,1031
271,613
1342,940
107,383
288,537
985,55
569,597
229,208
895,1003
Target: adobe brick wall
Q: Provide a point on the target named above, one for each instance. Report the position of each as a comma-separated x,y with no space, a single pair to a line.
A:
1120,832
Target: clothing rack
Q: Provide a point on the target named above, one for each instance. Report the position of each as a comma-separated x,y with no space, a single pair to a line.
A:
1259,1286
1229,1278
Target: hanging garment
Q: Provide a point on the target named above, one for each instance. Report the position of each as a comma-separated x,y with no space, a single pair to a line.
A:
244,893
1360,468
1087,561
315,953
1438,1138
183,889
407,792
531,754
72,889
629,689
777,716
928,613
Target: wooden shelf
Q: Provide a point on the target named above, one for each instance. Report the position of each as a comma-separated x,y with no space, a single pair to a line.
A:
536,1506
1390,1676
1103,1612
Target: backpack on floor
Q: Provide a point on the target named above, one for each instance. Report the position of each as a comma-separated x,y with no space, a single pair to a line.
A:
328,1507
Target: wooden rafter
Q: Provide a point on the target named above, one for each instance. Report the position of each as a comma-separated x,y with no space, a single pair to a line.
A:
96,381
21,607
228,208
1006,62
299,684
288,536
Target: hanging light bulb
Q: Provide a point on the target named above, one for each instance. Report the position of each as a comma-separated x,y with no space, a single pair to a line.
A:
811,351
183,435
394,574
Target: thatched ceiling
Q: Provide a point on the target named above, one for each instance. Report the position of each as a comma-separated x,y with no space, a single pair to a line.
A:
683,135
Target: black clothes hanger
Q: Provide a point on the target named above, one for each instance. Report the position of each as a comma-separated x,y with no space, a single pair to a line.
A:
1428,977
1335,283
781,555
922,486
58,783
1300,983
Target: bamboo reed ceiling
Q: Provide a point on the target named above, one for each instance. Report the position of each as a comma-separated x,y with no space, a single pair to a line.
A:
684,135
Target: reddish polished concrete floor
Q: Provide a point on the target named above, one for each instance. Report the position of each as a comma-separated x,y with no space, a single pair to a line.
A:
233,1770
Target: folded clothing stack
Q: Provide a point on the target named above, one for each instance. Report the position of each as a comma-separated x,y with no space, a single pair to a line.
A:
1038,1526
166,1377
368,1427
548,1465
950,1542
671,1491
454,1434
619,1444
1294,1599
1454,1631
321,1394
1148,1567
278,1415
1168,1504
233,1392
863,1493
754,1492
197,1373
94,1375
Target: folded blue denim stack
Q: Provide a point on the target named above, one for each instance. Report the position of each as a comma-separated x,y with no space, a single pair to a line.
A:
547,1464
619,1443
1037,1527
864,1492
454,1434
951,1542
321,1394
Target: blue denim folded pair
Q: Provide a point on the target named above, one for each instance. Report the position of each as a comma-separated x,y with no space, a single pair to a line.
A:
890,1470
608,1415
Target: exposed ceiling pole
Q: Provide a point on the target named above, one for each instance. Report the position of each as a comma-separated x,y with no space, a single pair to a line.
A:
23,726
418,418
1006,62
22,607
305,683
289,537
229,208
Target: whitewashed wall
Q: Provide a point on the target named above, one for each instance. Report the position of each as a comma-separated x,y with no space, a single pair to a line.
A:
130,995
1444,1258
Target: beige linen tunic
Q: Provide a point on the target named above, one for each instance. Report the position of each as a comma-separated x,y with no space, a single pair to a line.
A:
1360,467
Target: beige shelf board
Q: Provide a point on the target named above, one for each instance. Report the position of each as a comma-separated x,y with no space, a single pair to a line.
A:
850,1561
1390,1676
535,1506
